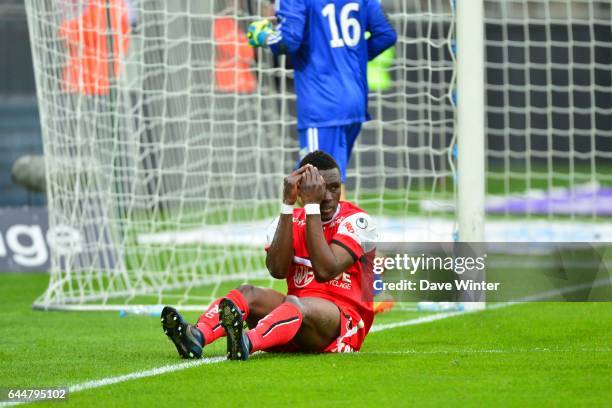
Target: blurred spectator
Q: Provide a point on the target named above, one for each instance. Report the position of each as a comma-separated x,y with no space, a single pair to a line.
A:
233,57
86,33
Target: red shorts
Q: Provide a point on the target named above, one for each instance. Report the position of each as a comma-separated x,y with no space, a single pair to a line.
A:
352,335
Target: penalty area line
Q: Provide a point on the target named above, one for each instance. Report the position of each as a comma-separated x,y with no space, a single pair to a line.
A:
419,320
435,317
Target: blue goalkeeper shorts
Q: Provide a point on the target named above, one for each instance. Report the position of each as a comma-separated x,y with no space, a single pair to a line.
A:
338,141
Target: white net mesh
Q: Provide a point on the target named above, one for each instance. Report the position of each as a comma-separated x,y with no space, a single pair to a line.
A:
548,130
166,139
548,67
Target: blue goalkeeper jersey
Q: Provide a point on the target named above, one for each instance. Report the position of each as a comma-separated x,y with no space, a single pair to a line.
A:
325,40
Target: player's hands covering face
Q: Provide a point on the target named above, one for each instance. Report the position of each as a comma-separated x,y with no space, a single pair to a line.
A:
312,186
292,185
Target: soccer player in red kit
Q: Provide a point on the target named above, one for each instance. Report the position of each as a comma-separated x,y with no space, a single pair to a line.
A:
318,249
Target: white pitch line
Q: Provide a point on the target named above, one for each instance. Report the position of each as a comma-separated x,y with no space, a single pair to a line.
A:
88,385
375,328
132,376
142,374
419,320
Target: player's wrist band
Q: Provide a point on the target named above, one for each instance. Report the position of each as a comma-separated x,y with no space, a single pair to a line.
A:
312,208
286,209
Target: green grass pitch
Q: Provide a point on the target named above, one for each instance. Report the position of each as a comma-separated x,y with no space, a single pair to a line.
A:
539,354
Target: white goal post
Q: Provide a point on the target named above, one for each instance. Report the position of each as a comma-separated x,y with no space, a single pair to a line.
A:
470,121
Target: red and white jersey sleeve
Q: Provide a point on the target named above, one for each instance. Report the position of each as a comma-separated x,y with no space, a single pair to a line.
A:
355,233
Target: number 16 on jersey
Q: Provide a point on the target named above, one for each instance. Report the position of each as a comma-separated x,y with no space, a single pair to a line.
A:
349,26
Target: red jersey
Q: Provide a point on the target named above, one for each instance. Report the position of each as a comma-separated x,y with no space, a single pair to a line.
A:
350,228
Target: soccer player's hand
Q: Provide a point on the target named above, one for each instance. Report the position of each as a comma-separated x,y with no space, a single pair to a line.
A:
312,186
292,185
258,31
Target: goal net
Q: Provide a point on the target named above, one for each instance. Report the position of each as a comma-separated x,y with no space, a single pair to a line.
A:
548,110
166,138
548,130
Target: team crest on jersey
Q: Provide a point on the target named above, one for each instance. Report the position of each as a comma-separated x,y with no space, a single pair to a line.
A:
302,277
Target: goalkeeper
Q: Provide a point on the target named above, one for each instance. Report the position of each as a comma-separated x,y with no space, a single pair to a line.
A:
326,43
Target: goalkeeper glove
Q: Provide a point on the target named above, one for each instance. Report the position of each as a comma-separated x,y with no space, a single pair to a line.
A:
258,31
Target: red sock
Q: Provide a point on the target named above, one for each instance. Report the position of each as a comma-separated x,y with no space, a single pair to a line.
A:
277,328
209,324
